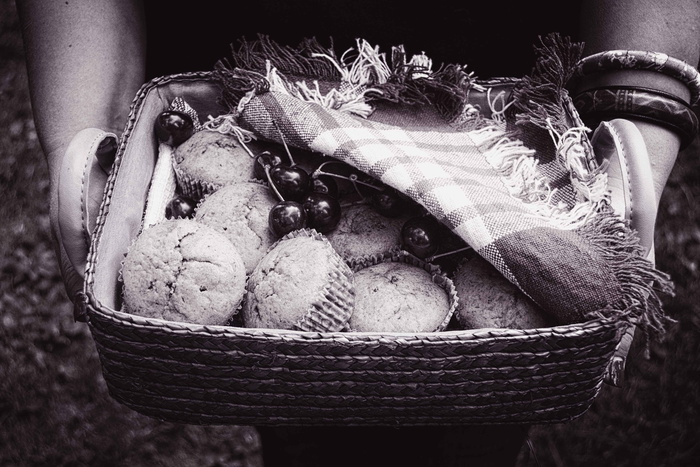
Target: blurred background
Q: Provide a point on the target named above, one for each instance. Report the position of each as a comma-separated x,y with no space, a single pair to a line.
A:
55,409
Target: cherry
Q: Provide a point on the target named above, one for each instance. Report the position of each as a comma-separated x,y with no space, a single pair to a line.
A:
420,236
180,207
173,127
325,184
388,202
264,160
322,210
291,182
286,216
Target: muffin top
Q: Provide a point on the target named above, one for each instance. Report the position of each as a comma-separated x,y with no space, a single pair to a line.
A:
301,283
394,296
240,212
181,270
363,231
488,300
209,160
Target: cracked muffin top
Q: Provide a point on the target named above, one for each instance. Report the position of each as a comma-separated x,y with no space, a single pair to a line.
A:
181,270
363,231
209,160
394,296
240,211
301,283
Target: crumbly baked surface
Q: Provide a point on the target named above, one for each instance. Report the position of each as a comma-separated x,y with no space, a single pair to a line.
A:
181,270
488,300
363,231
210,157
240,212
301,283
397,297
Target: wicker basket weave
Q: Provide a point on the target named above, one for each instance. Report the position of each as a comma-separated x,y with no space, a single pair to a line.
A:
228,375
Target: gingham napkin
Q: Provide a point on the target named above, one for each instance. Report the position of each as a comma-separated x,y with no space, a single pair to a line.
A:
563,247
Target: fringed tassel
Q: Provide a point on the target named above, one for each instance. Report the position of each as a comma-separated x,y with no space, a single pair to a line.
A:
238,85
351,82
306,60
643,285
540,98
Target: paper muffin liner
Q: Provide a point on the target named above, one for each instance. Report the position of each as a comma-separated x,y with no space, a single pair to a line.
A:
192,187
402,256
333,307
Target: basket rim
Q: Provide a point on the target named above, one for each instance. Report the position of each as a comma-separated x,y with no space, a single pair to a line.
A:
457,335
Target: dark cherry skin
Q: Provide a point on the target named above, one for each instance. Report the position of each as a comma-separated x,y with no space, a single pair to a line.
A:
325,184
420,236
292,182
388,203
268,160
173,127
180,207
285,217
323,211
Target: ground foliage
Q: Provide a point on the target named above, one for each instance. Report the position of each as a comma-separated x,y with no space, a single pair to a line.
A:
55,409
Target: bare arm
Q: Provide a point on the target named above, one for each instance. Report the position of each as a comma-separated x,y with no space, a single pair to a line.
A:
85,63
85,60
668,26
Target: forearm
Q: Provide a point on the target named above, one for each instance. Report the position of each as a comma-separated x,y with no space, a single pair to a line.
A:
85,61
668,26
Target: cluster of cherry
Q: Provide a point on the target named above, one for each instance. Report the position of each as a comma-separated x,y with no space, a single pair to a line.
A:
312,199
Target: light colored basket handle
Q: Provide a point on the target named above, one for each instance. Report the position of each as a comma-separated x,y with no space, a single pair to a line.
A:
82,179
620,143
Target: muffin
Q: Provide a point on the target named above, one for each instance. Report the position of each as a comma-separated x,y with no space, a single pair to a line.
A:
209,160
240,212
181,270
401,295
363,231
302,284
488,300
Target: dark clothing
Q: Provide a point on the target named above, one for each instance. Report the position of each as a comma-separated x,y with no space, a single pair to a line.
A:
485,446
490,38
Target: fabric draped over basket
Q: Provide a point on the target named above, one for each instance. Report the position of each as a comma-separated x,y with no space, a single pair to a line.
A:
518,182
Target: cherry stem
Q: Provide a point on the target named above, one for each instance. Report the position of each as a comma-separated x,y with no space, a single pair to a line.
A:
270,182
245,146
434,257
286,148
352,178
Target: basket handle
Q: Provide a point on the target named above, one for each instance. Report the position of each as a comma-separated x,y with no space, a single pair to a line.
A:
82,179
619,144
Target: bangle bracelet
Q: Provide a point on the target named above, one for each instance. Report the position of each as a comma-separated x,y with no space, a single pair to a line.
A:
641,60
644,104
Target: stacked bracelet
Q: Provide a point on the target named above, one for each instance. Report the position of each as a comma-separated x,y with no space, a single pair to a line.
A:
644,104
640,60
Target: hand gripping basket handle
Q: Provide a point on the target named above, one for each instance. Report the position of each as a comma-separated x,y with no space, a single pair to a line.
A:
620,144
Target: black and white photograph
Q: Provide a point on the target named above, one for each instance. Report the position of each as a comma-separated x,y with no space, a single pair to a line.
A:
349,233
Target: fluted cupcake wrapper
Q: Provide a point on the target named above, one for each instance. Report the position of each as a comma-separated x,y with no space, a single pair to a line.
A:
332,310
193,188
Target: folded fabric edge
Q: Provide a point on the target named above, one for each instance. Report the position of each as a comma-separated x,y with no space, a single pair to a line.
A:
540,103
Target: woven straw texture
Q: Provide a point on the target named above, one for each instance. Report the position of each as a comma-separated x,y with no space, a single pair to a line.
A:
229,375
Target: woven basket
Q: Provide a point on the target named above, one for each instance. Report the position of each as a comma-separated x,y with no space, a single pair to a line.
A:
227,375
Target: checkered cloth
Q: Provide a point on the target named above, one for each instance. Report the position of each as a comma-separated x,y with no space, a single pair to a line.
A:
541,217
566,269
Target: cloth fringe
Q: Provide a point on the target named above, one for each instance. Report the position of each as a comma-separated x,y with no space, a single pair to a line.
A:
351,82
538,115
642,283
591,217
